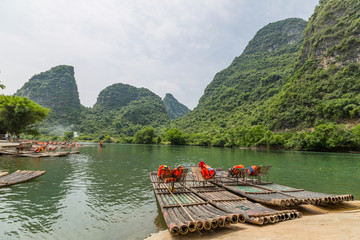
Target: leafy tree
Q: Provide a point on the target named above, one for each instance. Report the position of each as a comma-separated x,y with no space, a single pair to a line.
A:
175,136
2,86
158,140
68,135
145,136
20,115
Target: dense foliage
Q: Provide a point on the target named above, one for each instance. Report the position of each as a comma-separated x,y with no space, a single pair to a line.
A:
18,115
252,78
326,86
295,86
55,89
122,110
283,92
174,108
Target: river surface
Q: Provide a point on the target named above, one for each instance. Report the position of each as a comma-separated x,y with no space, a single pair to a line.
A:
106,194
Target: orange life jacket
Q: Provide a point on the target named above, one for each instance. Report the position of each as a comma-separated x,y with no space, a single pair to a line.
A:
235,169
207,171
37,150
177,172
252,171
163,170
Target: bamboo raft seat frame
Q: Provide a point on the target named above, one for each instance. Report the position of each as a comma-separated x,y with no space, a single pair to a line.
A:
184,211
261,172
19,177
199,178
168,176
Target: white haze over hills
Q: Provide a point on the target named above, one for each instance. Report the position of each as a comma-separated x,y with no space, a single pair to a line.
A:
166,46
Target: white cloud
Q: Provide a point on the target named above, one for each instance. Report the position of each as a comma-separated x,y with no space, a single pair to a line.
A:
167,46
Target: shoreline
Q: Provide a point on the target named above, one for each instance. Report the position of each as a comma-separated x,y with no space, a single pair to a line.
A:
330,222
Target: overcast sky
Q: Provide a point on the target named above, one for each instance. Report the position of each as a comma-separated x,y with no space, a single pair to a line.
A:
167,46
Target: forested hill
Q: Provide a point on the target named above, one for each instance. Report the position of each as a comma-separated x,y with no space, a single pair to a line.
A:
252,78
123,109
55,89
173,107
290,88
326,86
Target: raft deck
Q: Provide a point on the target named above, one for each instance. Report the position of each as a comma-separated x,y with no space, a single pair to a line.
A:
19,177
185,212
231,203
275,194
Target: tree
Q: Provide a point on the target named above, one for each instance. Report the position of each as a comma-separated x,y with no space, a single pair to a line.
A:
2,86
20,115
175,136
145,136
68,135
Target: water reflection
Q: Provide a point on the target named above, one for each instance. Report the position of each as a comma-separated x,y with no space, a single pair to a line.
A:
32,207
107,194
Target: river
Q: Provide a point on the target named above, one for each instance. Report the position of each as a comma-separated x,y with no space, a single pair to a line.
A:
106,193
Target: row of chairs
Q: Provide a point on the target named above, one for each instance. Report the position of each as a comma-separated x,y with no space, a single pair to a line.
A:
257,173
178,175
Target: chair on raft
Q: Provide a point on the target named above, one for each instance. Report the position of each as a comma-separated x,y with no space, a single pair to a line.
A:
255,173
177,175
236,173
198,176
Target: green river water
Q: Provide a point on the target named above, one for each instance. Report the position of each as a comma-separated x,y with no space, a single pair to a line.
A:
107,194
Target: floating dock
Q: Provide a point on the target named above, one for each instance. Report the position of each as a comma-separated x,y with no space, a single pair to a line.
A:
185,212
18,177
275,194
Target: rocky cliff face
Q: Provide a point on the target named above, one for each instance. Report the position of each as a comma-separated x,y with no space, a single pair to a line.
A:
55,89
333,34
173,107
252,78
326,87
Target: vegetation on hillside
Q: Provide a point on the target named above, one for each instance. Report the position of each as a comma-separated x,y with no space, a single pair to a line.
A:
55,89
295,86
252,78
174,108
121,111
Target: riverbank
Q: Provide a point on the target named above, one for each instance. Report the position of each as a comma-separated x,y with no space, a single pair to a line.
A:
333,222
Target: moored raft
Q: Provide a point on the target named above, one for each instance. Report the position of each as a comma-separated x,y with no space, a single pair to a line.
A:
33,154
185,212
277,195
231,203
19,177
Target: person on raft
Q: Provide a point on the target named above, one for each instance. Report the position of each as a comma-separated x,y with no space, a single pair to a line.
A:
100,144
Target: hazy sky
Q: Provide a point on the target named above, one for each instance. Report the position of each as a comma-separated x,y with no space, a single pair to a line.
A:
167,46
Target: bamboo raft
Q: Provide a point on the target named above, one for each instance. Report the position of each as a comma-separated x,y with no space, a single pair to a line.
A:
18,177
3,174
185,212
32,154
275,194
231,203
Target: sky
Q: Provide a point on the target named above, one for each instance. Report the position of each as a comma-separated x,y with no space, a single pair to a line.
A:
167,46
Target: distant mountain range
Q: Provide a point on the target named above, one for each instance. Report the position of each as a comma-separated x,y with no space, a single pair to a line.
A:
292,76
